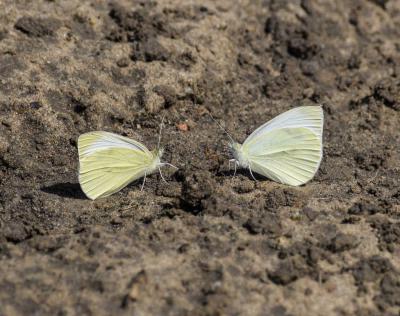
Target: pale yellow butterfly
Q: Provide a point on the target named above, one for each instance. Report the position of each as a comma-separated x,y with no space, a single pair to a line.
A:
286,149
109,162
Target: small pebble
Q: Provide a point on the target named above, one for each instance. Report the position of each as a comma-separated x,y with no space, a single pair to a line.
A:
183,127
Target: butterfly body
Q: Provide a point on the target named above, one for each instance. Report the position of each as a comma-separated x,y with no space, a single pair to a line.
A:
287,149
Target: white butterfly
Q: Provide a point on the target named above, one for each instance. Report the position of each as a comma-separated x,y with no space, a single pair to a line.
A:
287,149
109,162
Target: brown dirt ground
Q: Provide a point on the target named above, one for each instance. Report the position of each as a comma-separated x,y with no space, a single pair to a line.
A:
205,243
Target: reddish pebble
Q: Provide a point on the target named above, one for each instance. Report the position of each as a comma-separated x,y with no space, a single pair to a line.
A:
183,127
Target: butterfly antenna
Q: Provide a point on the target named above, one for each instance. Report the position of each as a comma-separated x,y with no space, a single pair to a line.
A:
160,133
220,126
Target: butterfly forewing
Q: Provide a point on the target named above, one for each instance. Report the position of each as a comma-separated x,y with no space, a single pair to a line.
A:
310,117
109,162
93,141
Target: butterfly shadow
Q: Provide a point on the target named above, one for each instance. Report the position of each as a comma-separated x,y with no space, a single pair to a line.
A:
239,172
66,189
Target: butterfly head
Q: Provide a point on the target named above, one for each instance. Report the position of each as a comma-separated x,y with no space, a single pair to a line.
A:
157,155
234,147
157,159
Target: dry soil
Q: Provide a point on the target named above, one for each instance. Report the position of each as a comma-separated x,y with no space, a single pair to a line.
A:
204,243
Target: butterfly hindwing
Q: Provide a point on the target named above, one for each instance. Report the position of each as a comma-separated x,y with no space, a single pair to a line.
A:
109,162
290,156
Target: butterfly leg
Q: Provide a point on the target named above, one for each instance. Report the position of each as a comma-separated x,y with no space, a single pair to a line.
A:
144,181
252,174
159,169
235,164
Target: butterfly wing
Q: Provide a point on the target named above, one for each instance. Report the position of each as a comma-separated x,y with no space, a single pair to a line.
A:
288,148
109,162
311,117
